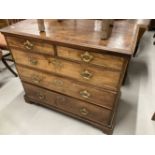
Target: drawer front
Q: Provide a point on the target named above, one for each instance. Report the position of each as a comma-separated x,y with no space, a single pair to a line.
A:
105,60
31,45
77,107
68,87
103,78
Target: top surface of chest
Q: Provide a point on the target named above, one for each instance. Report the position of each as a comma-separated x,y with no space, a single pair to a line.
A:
81,33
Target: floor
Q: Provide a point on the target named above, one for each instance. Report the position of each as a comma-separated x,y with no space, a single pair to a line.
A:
136,107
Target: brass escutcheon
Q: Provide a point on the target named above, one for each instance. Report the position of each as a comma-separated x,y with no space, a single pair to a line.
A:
84,111
85,94
36,79
33,61
41,96
55,62
86,74
58,82
28,45
86,57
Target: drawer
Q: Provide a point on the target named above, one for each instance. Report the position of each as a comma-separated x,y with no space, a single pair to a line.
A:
105,60
31,45
68,87
103,78
68,104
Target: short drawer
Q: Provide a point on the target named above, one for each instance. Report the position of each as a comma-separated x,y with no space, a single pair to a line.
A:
104,60
68,104
68,87
31,45
103,78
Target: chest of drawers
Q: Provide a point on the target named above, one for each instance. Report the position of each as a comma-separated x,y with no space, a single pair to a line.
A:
70,70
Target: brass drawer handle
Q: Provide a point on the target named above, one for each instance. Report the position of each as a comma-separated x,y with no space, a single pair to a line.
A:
86,75
85,94
86,57
84,111
41,96
36,79
28,45
33,61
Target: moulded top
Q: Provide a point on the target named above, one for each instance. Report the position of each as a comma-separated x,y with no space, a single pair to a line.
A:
81,32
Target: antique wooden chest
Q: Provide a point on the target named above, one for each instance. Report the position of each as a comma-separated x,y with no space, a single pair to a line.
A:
68,68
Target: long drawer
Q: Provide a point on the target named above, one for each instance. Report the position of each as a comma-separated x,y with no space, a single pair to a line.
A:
103,78
76,107
104,60
68,87
31,45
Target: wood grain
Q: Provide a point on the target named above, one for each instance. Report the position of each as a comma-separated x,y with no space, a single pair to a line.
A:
104,60
82,109
37,45
68,87
81,33
69,68
103,78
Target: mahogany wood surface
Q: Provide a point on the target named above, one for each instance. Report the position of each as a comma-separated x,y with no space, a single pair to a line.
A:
117,62
39,46
68,87
81,33
69,68
100,77
82,109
